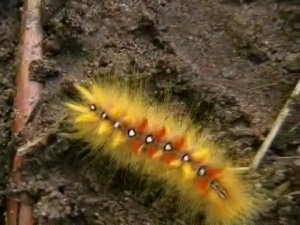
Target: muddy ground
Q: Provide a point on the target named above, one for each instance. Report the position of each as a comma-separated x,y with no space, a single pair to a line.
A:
233,63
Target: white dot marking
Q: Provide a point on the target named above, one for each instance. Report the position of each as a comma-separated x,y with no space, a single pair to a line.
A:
117,125
186,158
104,116
168,147
93,107
201,171
149,139
131,133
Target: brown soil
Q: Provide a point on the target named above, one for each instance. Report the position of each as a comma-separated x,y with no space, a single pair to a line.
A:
233,63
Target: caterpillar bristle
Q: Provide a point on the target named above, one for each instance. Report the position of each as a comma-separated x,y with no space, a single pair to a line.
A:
116,121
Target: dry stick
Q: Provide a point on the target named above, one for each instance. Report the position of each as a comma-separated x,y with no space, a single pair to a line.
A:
276,127
27,96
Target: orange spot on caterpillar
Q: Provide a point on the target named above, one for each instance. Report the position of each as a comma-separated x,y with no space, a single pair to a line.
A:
213,172
135,145
160,134
151,150
168,158
179,143
142,126
203,185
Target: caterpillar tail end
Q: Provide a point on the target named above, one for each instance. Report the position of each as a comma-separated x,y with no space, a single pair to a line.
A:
231,204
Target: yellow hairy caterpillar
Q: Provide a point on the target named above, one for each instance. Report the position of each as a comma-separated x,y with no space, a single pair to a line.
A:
116,121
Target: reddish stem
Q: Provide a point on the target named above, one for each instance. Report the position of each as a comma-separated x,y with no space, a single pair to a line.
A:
27,96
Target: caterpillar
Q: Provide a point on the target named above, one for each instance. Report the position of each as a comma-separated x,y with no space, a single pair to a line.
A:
149,138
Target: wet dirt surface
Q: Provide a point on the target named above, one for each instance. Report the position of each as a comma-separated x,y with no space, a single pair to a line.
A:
234,65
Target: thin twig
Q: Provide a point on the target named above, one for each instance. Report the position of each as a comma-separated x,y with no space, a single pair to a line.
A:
263,86
241,169
27,96
293,193
40,141
275,129
288,157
